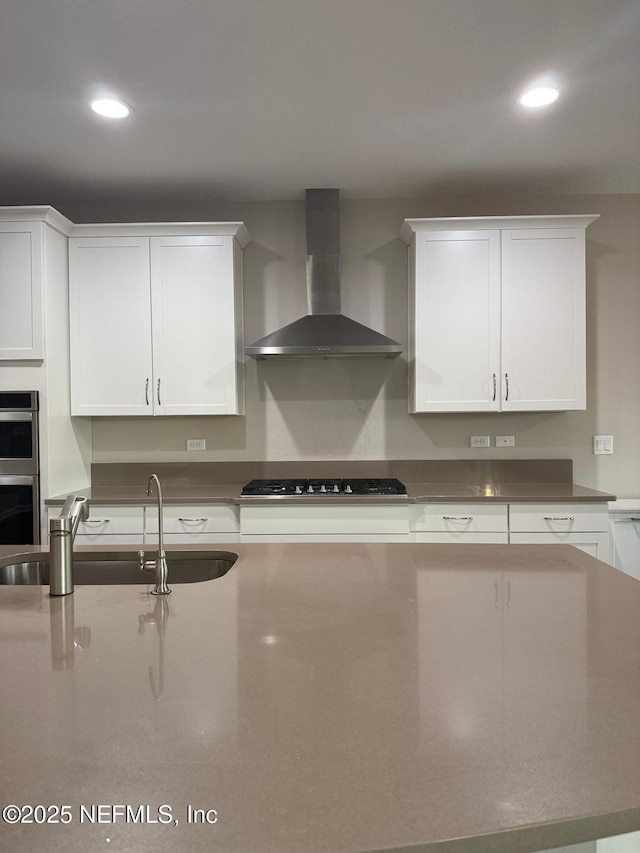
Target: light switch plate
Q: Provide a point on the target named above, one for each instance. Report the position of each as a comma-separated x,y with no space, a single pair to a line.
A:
196,444
602,444
479,441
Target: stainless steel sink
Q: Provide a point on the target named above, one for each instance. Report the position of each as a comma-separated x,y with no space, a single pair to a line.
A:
120,567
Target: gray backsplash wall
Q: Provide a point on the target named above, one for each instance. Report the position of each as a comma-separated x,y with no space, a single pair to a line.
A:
357,409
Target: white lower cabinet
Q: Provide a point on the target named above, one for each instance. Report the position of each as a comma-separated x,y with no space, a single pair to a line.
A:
583,525
471,523
624,527
109,525
318,523
193,523
134,526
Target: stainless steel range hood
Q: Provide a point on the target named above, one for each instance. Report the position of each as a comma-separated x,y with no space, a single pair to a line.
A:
324,332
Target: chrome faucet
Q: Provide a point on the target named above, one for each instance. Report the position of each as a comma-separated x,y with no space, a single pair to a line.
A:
62,531
159,565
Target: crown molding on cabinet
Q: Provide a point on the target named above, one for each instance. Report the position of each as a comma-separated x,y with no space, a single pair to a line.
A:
38,213
478,223
165,229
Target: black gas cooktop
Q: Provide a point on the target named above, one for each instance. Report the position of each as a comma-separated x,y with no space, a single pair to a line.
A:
355,487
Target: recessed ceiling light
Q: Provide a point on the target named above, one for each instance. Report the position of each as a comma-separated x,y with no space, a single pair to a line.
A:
541,96
110,107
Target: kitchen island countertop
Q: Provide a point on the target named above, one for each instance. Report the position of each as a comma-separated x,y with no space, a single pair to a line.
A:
332,698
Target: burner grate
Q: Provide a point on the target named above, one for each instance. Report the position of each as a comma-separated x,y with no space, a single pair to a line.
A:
324,486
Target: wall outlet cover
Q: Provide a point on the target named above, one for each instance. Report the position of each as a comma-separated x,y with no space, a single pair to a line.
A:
196,444
505,441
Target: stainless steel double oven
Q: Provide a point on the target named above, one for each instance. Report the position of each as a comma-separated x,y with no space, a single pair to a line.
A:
19,468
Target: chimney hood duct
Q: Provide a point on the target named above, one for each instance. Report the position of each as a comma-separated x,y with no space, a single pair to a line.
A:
324,332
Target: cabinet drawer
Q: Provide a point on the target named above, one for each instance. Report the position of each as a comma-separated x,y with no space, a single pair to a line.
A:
131,541
463,538
317,519
194,518
109,520
558,518
151,539
459,518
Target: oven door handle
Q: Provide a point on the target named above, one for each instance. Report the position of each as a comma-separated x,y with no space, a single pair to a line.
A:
17,480
19,417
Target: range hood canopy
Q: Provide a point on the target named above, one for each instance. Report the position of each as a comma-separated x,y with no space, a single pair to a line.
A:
324,332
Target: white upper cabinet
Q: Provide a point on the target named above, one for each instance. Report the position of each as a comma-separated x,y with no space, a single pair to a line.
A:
21,290
156,320
497,313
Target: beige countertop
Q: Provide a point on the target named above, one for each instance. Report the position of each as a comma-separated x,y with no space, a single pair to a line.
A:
230,493
334,698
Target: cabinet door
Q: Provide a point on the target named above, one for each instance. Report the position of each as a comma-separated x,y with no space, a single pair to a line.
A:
625,528
21,286
455,322
194,326
543,319
110,325
596,544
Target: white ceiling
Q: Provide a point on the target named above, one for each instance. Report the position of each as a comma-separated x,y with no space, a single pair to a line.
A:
258,99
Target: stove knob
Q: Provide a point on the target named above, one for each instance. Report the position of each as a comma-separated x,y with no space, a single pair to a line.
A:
298,490
310,490
348,489
323,488
335,488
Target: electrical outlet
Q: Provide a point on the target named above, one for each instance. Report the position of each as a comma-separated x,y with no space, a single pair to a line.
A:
196,444
479,441
602,444
505,441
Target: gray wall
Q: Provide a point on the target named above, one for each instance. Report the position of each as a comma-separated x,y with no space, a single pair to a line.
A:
358,408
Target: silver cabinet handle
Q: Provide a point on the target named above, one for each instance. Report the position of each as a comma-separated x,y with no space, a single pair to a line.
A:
506,383
158,391
96,521
495,387
193,519
508,594
457,517
559,518
146,391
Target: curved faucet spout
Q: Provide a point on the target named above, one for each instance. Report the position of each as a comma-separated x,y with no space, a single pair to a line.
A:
160,563
154,479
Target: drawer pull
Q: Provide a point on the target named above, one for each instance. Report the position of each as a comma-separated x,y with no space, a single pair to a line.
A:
559,518
458,517
97,521
193,519
634,519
